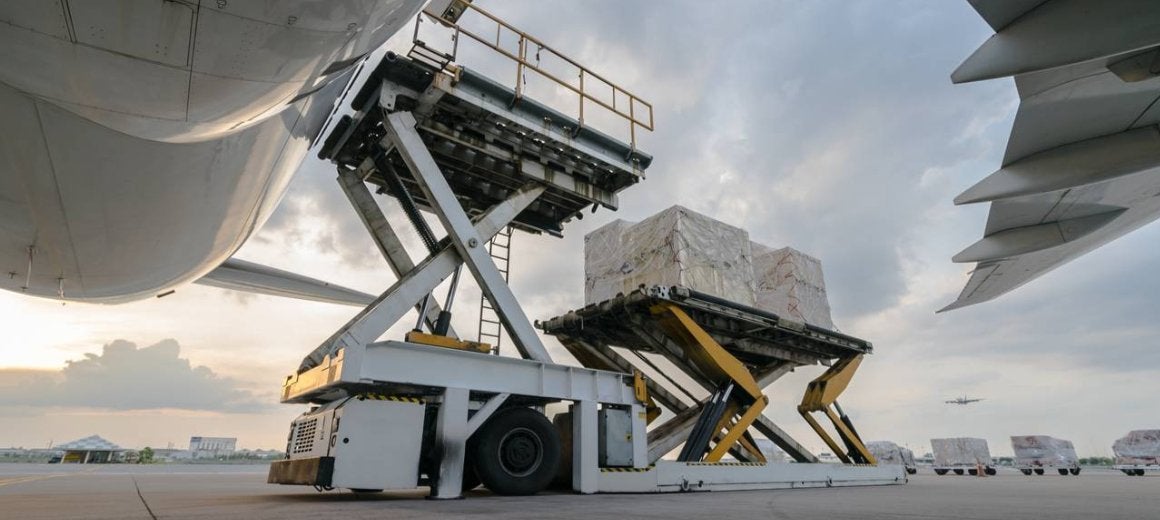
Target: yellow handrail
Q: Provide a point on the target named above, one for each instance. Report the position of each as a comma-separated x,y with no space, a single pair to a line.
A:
583,90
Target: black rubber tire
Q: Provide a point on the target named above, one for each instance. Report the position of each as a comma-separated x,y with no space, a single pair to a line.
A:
1039,471
991,471
1139,473
958,472
516,452
940,472
1063,471
973,472
1128,472
1074,471
911,471
1026,472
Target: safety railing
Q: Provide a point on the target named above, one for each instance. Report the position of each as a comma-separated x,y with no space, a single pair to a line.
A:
587,86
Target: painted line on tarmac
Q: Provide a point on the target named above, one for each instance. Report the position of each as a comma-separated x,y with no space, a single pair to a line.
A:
21,480
34,478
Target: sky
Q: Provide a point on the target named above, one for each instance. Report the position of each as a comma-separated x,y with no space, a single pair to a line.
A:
828,126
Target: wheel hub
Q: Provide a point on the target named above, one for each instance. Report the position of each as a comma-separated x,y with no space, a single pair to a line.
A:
520,452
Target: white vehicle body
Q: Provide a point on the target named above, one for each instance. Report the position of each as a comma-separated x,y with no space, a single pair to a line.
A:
145,140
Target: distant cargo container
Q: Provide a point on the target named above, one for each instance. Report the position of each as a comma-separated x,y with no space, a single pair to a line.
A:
887,452
1038,453
1138,452
962,455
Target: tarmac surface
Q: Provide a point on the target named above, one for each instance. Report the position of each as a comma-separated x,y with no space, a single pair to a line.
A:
42,491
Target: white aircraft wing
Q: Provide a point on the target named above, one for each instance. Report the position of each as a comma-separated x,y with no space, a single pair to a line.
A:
1082,165
241,275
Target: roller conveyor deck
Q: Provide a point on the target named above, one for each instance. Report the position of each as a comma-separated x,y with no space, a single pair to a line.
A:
752,335
488,141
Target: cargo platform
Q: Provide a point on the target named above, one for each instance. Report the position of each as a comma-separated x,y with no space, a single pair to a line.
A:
752,335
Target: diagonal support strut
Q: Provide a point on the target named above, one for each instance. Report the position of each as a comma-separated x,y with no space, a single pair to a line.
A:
468,243
384,236
401,297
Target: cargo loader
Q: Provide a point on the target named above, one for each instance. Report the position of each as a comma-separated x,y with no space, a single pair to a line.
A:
433,409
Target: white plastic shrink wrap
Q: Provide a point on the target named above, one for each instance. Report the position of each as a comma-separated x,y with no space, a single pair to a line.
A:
960,451
790,284
886,452
1042,450
1138,447
674,247
908,458
681,247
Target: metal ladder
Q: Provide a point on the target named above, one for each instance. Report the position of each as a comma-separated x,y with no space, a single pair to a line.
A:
490,326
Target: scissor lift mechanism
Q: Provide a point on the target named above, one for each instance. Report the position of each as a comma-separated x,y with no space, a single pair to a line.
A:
732,351
444,140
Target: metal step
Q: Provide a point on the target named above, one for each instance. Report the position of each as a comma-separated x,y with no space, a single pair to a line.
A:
429,56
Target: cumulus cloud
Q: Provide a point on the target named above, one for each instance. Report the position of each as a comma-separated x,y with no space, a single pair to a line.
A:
821,126
125,377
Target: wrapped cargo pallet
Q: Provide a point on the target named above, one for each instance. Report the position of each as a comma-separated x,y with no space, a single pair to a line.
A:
674,247
1139,447
790,284
605,262
961,454
681,247
886,453
1035,453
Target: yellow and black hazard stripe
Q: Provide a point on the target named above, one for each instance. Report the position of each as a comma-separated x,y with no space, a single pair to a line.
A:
725,463
394,398
627,470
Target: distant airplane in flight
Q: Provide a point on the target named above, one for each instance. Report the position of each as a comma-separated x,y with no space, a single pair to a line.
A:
963,400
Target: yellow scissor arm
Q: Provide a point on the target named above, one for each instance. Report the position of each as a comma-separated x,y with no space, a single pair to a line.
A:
822,396
720,367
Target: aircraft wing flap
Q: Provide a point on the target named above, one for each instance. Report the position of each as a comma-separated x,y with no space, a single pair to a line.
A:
993,278
240,275
1000,13
1082,165
1076,109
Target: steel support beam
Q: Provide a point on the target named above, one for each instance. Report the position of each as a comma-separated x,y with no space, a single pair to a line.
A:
585,464
450,443
639,438
485,412
401,297
385,237
468,242
783,440
602,357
